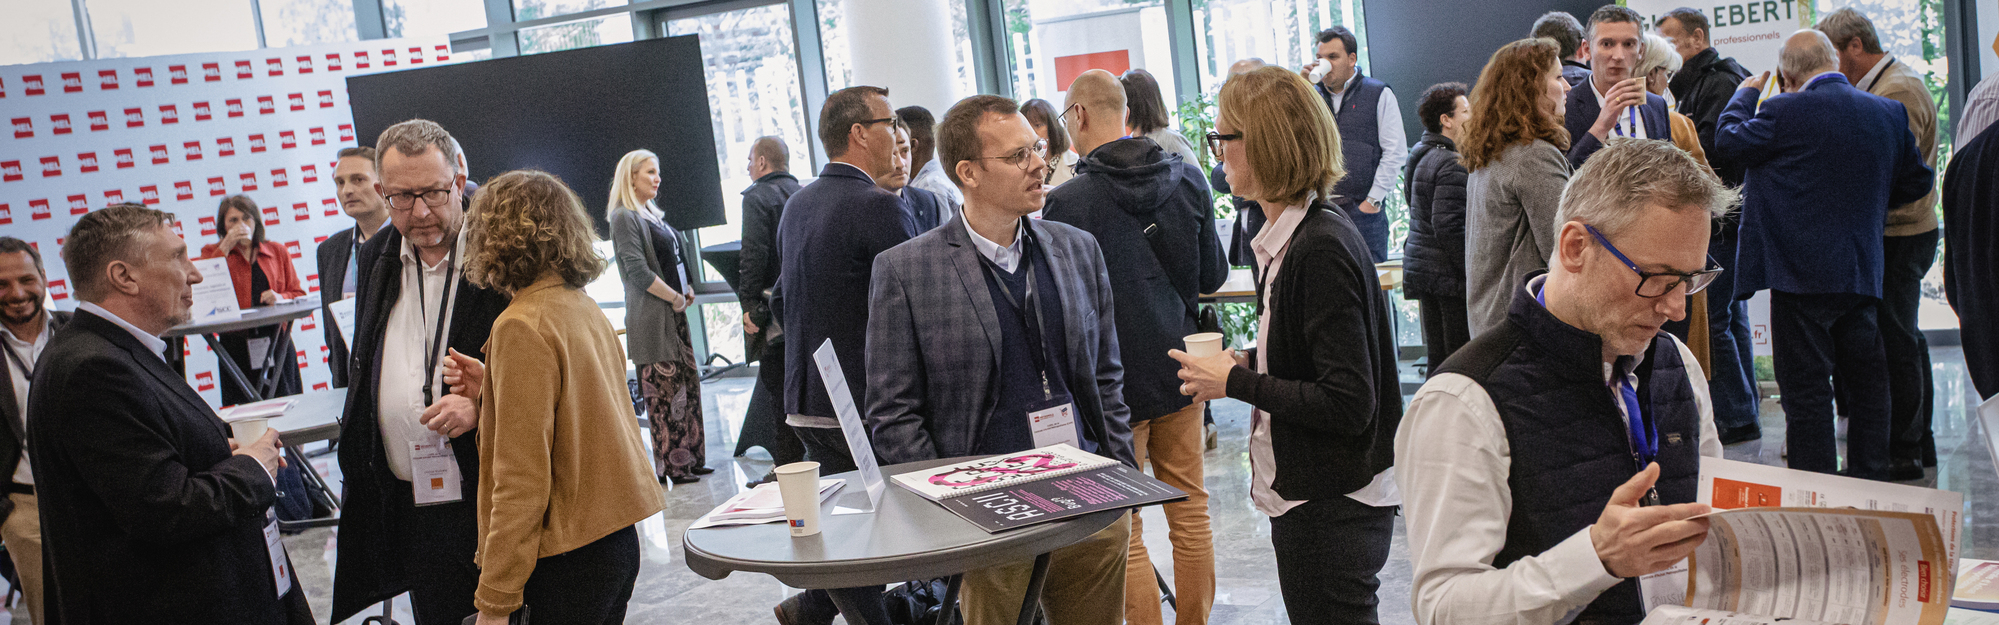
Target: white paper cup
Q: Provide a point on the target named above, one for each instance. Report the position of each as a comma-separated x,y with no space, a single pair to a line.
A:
247,431
798,484
1204,344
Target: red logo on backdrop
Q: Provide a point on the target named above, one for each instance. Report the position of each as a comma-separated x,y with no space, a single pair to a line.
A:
207,226
346,133
59,289
310,322
148,194
51,166
107,79
86,162
416,56
59,124
443,53
6,215
10,171
201,112
192,151
204,381
123,156
79,204
320,386
183,190
270,212
326,98
266,105
288,139
234,106
333,61
24,127
243,71
293,247
300,212
256,143
318,136
143,76
389,58
302,362
177,74
169,114
328,208
177,231
159,154
211,72
308,174
297,102
39,210
225,146
72,82
316,241
135,118
32,84
99,120
249,180
276,66
304,63
279,178
360,59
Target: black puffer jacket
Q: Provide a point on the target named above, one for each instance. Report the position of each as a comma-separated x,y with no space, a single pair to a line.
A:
1433,258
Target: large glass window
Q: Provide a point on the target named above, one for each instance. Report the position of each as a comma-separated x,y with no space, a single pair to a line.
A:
418,18
583,33
302,22
128,28
1049,42
1281,33
39,31
525,10
840,72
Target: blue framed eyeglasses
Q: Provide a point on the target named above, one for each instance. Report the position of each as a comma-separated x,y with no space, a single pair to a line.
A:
1659,283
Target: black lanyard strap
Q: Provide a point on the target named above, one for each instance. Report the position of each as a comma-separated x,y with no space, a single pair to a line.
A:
27,369
434,349
1035,323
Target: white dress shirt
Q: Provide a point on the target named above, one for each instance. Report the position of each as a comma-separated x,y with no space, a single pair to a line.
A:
1389,135
412,326
1454,457
1624,127
1270,245
1873,75
30,352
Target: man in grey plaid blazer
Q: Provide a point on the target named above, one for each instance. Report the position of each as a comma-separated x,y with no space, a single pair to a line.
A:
952,369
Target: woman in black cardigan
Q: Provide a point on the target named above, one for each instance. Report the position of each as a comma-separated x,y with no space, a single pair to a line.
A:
1323,387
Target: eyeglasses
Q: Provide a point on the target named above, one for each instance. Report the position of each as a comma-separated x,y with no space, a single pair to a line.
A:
1022,158
1659,283
1063,118
885,120
405,201
1216,140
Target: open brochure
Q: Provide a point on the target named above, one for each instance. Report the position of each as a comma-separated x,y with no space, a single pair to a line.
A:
1025,488
1728,484
1977,585
1001,471
759,505
1682,615
1862,567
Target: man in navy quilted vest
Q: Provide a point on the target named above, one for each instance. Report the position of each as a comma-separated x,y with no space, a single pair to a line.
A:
1552,461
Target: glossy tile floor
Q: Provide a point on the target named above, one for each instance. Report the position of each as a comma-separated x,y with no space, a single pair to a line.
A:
1247,594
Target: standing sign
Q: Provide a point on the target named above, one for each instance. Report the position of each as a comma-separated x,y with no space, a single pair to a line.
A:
1751,31
851,425
215,296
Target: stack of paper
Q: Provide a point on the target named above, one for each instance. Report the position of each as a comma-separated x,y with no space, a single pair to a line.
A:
762,504
267,409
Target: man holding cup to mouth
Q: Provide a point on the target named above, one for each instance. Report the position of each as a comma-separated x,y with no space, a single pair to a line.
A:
1616,103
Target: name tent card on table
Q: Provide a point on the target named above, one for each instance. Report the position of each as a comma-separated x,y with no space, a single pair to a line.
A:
850,424
215,296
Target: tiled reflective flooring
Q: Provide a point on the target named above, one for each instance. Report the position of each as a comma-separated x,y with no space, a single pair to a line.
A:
1247,593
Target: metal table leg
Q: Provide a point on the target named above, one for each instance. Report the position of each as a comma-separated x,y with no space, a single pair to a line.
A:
947,612
270,375
1032,602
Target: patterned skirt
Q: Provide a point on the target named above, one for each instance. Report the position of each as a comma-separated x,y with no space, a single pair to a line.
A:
672,392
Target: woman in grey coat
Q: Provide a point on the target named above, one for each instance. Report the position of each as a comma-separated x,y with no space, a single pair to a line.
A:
1515,147
658,288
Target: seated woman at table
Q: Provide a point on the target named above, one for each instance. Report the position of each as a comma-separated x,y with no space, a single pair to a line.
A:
563,475
263,275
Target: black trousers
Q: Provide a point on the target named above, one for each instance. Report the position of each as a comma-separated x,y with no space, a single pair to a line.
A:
590,584
441,540
1446,326
1818,338
1329,552
764,424
1911,390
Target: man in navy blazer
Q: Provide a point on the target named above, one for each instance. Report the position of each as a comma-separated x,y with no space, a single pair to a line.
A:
1610,102
1824,162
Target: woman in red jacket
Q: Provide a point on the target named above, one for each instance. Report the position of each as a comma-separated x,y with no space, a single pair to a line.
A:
263,275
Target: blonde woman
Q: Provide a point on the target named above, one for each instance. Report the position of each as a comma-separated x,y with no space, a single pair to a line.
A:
658,288
1657,64
562,471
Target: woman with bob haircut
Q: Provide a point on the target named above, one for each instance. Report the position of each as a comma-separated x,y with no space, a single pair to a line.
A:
563,477
657,289
1322,383
1516,150
262,273
1048,124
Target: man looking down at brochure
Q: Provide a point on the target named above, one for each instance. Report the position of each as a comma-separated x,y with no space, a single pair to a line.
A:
993,334
1554,460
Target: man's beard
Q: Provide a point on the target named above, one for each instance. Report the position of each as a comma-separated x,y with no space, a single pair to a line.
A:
33,313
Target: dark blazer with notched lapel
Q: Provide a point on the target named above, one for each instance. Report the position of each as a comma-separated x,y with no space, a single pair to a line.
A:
933,344
333,255
146,515
17,424
828,238
1582,113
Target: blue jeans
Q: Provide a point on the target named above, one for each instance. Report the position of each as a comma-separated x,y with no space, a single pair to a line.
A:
1729,352
1373,228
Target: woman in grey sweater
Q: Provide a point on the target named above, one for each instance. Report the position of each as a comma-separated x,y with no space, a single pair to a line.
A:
657,290
1515,148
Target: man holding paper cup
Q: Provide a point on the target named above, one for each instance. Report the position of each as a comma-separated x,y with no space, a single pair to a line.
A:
1615,104
150,513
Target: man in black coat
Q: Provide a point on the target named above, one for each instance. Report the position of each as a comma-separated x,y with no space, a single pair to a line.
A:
26,326
763,205
339,279
148,515
1971,224
388,544
1152,214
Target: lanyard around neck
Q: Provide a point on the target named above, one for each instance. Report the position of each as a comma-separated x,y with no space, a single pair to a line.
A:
27,368
434,348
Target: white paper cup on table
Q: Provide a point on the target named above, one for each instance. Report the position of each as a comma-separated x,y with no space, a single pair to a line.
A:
247,431
798,484
1204,344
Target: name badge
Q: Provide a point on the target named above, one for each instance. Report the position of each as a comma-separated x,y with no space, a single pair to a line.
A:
281,568
1053,425
434,472
258,349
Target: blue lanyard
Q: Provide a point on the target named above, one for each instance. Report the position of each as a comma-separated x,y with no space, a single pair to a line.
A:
1644,434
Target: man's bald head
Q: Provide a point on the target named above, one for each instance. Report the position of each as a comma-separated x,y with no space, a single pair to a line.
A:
1806,53
1245,66
1095,113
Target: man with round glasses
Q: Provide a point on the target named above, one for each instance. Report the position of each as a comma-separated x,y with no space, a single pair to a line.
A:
1553,461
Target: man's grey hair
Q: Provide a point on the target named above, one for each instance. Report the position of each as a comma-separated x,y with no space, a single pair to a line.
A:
105,236
1630,175
1844,25
411,137
1800,63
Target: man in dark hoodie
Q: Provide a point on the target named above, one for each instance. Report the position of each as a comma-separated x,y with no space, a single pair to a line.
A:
1151,214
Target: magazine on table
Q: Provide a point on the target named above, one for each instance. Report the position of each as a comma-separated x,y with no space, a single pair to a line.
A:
759,505
1025,488
1977,586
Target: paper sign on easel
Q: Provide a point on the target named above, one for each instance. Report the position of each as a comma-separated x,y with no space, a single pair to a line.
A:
851,425
215,296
